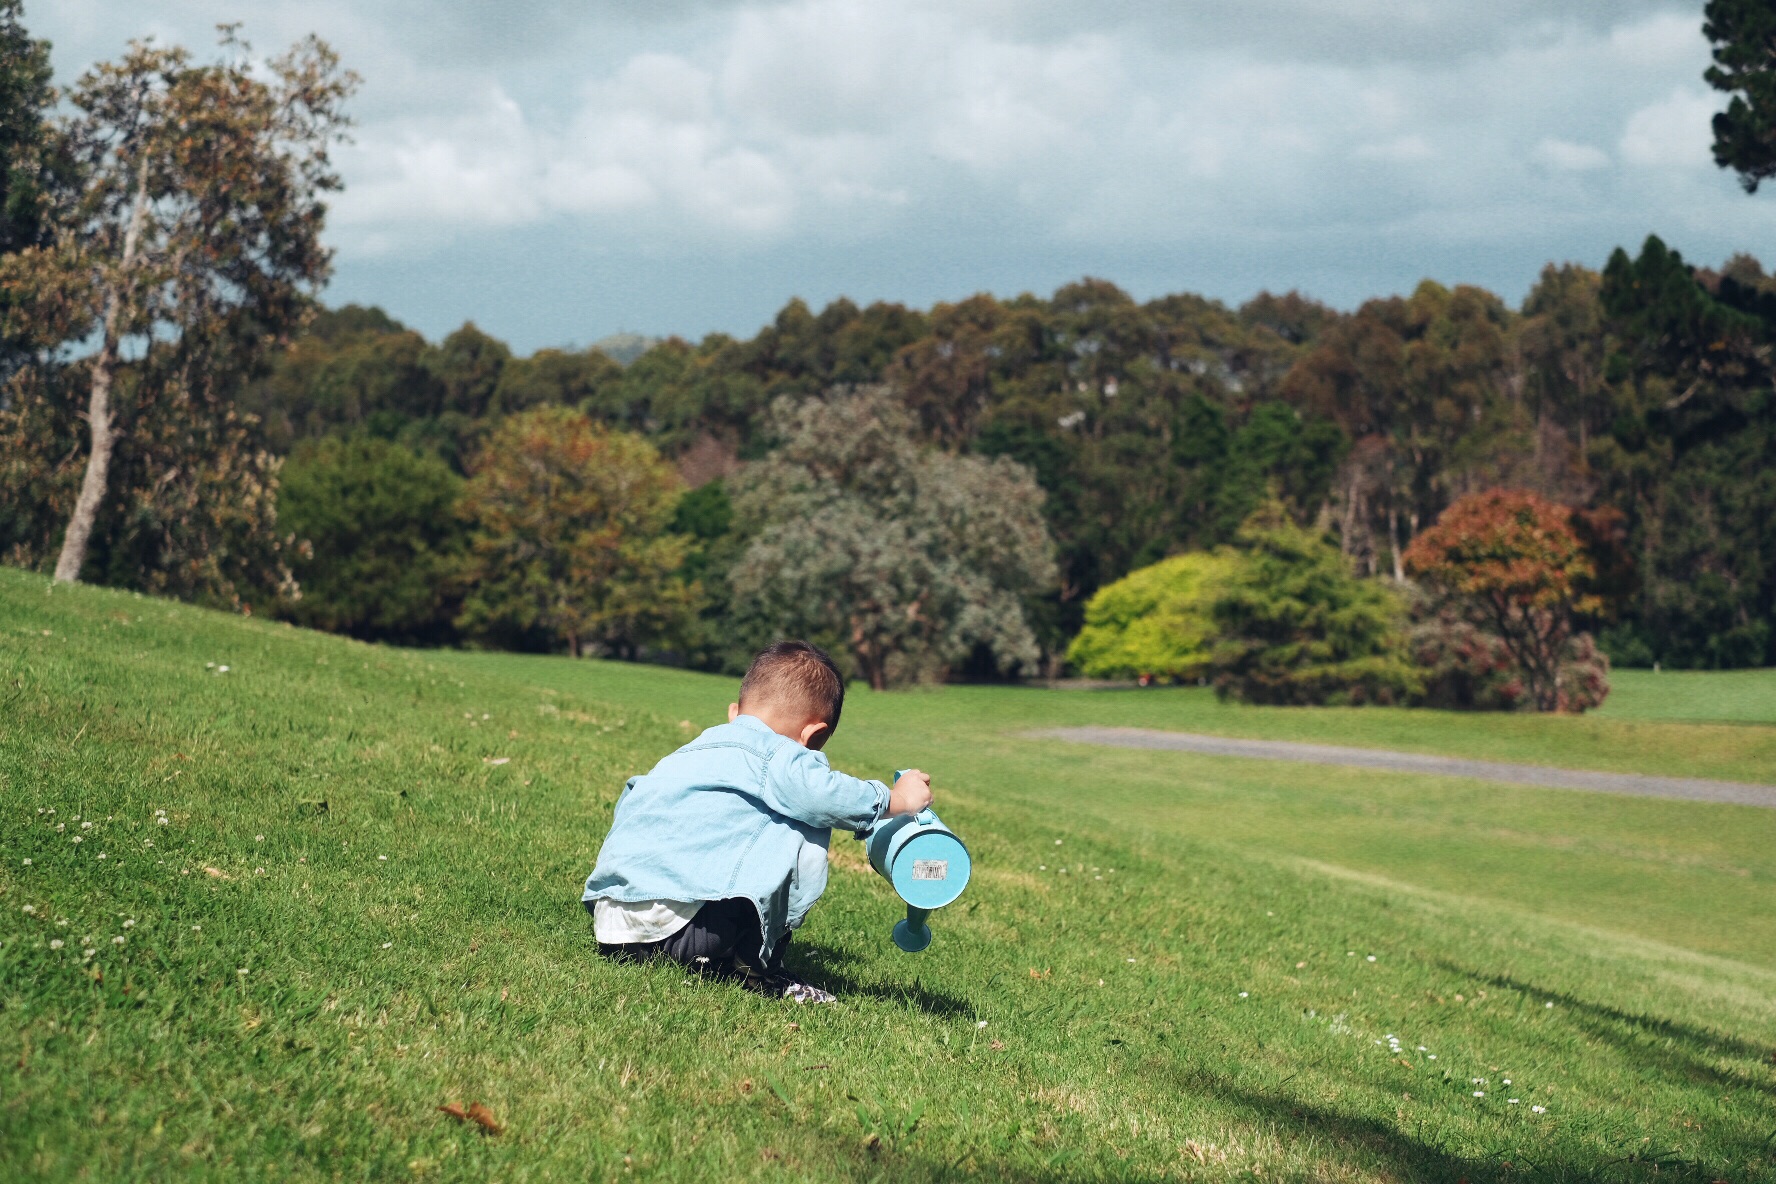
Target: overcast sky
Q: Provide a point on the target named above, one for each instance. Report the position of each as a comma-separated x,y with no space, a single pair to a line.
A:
556,171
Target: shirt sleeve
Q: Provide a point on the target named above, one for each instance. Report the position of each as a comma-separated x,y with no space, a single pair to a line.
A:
799,784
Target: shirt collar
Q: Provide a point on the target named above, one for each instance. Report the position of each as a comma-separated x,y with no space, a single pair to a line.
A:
755,723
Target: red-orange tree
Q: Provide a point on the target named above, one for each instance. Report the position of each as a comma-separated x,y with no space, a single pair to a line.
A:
1512,563
570,544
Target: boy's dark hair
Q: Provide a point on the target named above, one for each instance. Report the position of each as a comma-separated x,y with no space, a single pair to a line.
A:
796,673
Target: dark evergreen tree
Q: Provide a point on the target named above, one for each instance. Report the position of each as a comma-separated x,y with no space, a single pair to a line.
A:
1742,35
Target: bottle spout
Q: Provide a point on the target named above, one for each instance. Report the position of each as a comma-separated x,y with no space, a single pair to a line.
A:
913,934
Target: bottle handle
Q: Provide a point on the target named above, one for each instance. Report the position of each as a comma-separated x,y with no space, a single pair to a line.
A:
924,817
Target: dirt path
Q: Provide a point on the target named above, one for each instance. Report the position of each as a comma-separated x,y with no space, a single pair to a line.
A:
1694,789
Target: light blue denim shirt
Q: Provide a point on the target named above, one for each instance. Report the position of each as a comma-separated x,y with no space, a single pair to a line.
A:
739,811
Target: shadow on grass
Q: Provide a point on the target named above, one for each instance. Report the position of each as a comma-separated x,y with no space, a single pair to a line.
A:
1682,1049
825,967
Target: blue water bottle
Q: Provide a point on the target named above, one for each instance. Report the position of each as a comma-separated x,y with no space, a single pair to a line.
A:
924,861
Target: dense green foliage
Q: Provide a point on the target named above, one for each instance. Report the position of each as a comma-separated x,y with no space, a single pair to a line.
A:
909,560
381,538
1157,622
1638,395
1238,1044
1294,626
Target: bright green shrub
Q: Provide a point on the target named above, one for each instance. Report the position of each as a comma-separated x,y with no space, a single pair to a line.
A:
1155,621
1296,626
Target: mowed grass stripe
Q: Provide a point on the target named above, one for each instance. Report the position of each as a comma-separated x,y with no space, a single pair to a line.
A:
460,967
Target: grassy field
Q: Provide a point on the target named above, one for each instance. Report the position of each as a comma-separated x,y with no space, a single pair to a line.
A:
1168,967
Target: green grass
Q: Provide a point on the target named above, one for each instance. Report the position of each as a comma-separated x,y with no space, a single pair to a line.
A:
1117,1042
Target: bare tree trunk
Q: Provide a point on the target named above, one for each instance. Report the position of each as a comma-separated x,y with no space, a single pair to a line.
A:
98,407
98,468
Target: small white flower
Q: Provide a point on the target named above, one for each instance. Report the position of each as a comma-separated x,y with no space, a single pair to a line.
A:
27,863
382,859
162,820
60,827
76,838
1350,953
258,871
1041,867
1507,1081
221,670
118,940
56,943
1097,877
51,810
30,908
147,842
130,923
1547,1005
1245,994
1057,842
1131,961
101,855
196,928
1421,1048
1538,1109
1510,1101
86,826
1371,957
981,1024
88,952
1479,1093
1431,1056
387,944
39,809
258,838
242,972
1478,1081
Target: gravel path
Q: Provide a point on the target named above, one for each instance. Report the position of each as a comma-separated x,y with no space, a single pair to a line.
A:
1694,789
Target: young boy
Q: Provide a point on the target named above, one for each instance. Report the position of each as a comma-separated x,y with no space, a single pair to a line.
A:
719,852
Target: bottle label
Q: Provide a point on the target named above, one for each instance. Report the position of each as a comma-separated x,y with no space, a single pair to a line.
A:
931,869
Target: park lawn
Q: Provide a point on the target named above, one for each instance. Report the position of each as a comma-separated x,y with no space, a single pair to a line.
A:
1192,997
1675,724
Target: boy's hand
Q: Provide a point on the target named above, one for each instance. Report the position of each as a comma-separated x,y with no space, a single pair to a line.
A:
911,794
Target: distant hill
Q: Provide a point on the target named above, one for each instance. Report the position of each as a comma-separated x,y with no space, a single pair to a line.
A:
623,348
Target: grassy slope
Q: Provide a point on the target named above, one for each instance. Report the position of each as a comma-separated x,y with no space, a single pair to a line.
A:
327,1057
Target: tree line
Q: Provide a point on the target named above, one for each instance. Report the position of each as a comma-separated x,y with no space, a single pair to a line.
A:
940,492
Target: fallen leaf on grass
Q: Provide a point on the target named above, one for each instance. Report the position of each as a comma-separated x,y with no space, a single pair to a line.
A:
746,1086
476,1113
217,873
997,1046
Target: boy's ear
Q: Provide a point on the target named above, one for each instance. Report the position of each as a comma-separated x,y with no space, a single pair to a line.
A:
814,735
733,712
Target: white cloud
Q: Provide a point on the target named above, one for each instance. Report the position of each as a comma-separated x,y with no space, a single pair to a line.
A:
826,145
1402,149
1568,157
1671,133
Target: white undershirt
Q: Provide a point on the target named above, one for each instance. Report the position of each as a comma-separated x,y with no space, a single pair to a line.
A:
622,923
